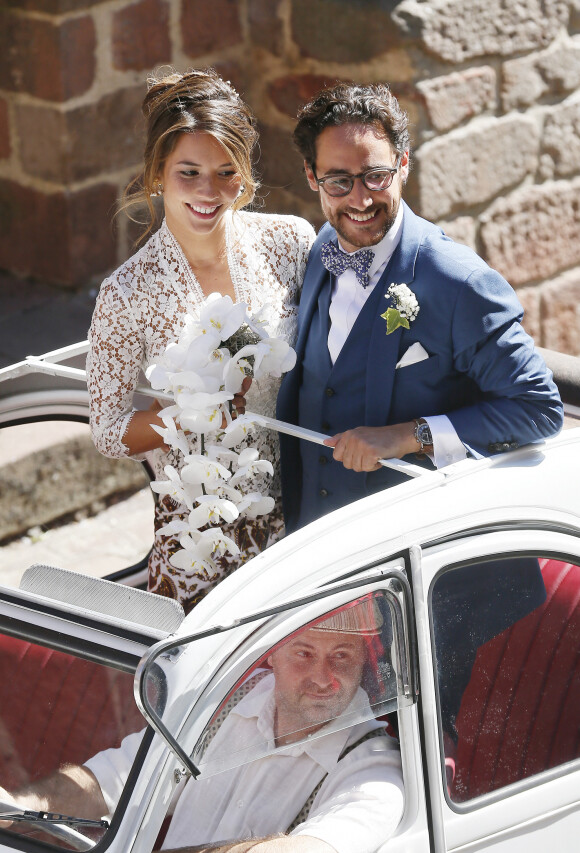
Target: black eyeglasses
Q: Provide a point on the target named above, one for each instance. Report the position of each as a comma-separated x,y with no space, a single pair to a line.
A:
374,180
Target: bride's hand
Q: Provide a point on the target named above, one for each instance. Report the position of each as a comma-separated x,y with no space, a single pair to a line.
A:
239,401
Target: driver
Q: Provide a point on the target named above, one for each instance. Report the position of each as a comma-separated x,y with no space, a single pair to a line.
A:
339,792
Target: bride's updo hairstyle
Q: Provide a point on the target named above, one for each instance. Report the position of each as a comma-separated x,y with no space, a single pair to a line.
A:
185,103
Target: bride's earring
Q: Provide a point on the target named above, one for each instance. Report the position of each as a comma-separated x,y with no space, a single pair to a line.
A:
157,190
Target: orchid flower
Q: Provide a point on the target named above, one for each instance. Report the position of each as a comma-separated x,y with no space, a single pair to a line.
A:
237,431
220,315
199,469
173,487
216,542
191,562
171,435
256,504
234,373
249,464
212,510
273,358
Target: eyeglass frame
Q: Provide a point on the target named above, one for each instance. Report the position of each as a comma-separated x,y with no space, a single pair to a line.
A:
393,171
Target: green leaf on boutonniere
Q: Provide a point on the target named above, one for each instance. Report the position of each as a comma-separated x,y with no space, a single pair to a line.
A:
394,320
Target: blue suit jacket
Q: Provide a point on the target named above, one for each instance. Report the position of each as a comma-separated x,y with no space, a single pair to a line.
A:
482,371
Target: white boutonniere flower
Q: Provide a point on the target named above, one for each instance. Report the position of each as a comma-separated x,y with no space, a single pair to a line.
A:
406,307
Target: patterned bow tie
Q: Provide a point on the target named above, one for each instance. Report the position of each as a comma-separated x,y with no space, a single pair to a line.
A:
337,262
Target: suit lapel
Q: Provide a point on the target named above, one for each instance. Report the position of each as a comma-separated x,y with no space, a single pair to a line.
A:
383,351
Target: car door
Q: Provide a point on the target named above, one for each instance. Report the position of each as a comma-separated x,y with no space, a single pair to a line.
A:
500,686
203,676
62,502
69,648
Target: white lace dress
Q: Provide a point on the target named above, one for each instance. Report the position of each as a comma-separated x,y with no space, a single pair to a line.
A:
140,309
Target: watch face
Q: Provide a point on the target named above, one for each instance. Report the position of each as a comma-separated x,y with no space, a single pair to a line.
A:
424,434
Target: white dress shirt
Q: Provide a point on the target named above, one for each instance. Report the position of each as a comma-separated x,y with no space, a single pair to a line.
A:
346,302
358,806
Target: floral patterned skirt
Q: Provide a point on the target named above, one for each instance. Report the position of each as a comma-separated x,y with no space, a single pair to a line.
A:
251,535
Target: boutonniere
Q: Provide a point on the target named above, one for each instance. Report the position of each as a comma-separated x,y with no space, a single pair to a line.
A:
406,307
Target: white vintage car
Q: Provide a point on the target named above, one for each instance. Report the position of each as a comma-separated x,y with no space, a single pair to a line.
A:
86,661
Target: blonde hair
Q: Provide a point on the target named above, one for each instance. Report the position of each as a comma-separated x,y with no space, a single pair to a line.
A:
199,100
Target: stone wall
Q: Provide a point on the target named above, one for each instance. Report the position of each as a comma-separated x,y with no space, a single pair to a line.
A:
492,88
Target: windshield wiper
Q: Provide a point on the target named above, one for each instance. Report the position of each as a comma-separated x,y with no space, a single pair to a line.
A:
53,817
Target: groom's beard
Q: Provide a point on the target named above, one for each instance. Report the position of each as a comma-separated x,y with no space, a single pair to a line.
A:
362,234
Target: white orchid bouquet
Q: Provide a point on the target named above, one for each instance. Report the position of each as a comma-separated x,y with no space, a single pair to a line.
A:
202,372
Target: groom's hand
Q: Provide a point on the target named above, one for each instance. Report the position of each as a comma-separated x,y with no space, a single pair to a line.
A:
361,448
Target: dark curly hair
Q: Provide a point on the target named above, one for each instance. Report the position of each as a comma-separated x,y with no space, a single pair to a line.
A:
351,104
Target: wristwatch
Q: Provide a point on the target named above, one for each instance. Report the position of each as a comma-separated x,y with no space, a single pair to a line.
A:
423,435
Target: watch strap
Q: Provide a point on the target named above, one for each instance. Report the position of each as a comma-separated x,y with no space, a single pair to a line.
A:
423,435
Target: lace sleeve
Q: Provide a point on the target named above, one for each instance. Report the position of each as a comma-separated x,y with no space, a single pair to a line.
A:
113,365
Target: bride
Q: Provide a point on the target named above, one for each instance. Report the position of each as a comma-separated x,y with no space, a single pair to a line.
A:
200,137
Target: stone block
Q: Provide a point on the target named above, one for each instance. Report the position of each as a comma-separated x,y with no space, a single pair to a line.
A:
561,141
561,313
472,165
266,24
140,35
531,303
53,7
274,200
83,142
61,65
453,99
291,92
233,73
62,238
343,30
534,233
459,30
280,165
554,71
5,147
462,230
207,27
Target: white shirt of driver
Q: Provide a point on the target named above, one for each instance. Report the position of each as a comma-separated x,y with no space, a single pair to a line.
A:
347,300
357,808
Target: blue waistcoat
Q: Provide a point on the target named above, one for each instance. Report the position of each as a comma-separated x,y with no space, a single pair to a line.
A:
332,399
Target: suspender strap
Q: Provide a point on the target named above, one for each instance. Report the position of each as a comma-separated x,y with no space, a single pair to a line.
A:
230,704
305,810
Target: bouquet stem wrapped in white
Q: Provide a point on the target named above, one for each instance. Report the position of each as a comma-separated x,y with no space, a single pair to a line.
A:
202,372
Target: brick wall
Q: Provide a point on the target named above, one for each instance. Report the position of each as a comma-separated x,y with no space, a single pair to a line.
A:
492,88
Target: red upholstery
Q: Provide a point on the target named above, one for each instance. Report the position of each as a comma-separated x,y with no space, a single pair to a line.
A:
519,714
57,709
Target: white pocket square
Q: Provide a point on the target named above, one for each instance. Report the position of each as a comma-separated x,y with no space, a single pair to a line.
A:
414,354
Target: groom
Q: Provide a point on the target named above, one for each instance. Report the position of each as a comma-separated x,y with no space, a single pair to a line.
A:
452,374
447,372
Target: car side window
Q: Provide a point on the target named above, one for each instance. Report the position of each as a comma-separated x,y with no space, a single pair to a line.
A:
56,710
507,643
329,675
